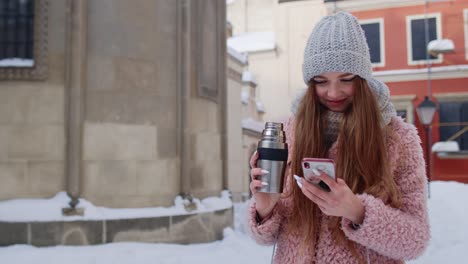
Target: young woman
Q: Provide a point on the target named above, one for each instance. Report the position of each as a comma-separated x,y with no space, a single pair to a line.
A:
375,211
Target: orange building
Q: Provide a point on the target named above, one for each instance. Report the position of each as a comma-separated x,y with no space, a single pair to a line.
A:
397,33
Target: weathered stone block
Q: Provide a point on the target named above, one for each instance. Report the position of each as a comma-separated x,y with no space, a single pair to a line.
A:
206,178
142,230
36,142
13,179
131,107
13,104
187,229
119,142
133,74
101,76
22,104
57,64
46,106
167,143
45,178
206,146
193,228
204,116
13,233
109,178
200,228
4,143
66,233
157,177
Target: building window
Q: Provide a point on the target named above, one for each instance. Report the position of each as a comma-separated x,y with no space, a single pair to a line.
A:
465,22
402,113
374,31
16,33
23,39
416,37
404,106
454,113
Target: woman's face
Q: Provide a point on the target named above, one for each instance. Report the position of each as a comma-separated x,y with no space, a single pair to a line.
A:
335,90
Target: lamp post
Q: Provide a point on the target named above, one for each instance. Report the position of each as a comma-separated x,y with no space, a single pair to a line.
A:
426,111
427,108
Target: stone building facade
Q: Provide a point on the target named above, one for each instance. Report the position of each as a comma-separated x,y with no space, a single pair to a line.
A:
125,104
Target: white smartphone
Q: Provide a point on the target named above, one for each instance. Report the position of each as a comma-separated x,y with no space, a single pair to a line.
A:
312,165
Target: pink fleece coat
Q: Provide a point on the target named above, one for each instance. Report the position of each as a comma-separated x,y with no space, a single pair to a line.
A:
387,235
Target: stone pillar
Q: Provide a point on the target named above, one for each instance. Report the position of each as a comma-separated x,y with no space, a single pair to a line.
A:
75,81
184,83
202,96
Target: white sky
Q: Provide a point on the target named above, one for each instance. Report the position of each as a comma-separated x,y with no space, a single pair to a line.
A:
449,244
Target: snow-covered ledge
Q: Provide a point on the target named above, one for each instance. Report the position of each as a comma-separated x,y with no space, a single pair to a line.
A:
40,222
16,62
449,150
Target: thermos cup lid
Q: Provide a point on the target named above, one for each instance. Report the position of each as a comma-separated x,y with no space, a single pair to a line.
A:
273,132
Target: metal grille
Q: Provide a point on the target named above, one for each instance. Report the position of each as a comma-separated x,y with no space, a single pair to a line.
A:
16,29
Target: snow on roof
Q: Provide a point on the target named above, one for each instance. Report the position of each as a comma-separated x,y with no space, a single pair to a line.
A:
446,146
248,76
251,124
240,56
245,97
441,46
260,106
253,41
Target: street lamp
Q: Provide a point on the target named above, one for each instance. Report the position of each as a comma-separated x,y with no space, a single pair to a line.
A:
426,111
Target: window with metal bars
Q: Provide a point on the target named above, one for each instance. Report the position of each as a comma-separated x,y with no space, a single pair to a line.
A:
16,33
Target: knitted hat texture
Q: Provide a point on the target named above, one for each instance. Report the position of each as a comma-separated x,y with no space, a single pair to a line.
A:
337,44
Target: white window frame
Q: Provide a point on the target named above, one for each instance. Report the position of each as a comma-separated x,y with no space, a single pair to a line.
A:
465,23
405,102
451,97
409,43
380,21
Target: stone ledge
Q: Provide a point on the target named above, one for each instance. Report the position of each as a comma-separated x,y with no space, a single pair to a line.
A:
186,229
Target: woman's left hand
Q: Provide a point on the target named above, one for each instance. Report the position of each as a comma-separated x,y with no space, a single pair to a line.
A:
340,201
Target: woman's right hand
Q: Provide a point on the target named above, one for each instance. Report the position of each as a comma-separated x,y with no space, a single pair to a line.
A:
265,202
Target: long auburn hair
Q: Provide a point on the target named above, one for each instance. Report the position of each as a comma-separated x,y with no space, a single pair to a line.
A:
361,159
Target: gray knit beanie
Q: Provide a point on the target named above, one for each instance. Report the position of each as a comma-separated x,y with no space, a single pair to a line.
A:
337,44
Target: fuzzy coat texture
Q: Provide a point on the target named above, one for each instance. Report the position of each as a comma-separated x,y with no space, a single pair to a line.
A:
387,235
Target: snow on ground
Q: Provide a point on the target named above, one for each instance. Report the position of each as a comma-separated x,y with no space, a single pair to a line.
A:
24,210
447,209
